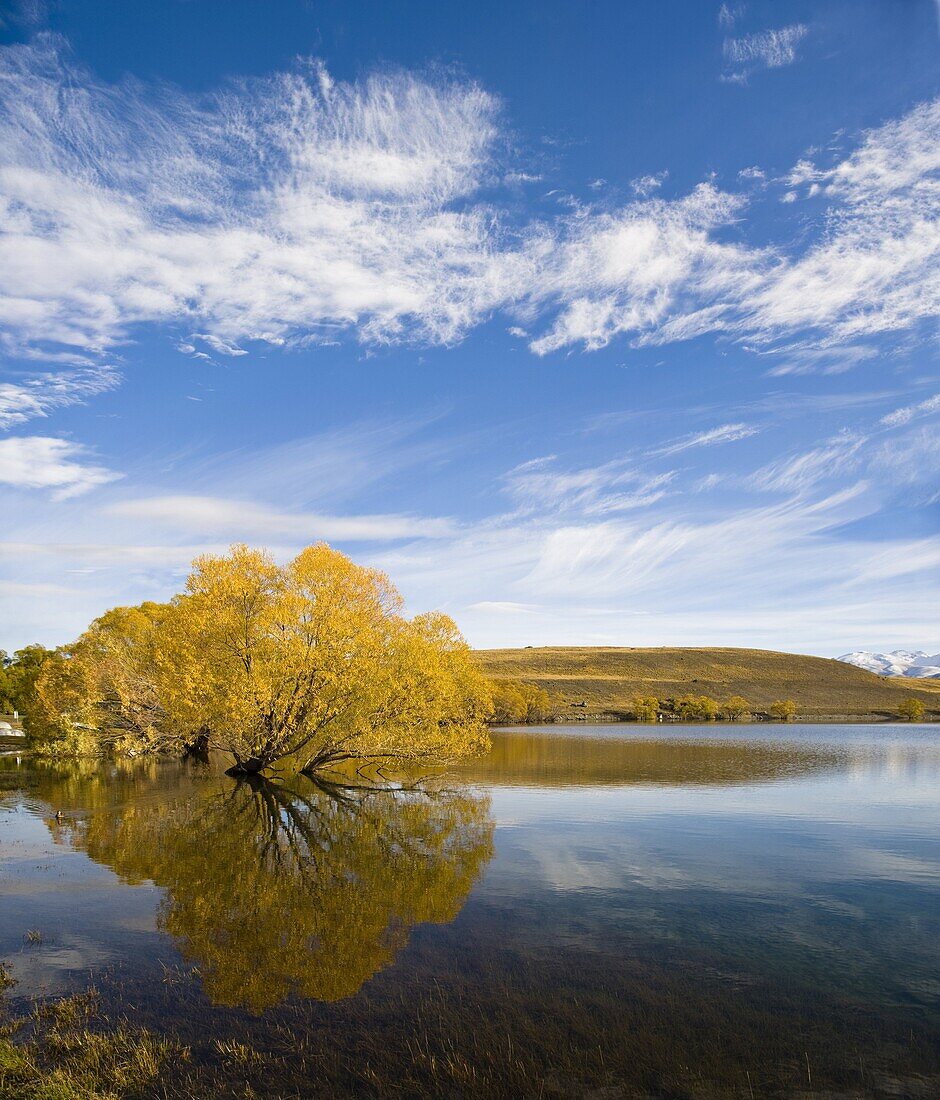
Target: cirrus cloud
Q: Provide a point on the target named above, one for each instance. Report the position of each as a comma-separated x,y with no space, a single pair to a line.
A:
295,209
37,395
770,49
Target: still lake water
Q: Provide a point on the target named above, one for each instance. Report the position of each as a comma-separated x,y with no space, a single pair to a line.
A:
598,910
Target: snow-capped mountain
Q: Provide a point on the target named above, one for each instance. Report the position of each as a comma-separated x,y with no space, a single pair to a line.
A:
900,662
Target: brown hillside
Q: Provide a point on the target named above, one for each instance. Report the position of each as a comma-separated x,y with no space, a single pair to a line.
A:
605,680
921,685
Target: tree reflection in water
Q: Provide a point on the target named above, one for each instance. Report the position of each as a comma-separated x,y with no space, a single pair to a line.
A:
306,887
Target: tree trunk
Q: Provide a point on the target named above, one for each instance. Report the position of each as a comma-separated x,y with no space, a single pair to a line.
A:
198,748
254,765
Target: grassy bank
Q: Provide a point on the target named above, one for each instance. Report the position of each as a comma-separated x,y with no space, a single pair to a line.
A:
586,682
62,1050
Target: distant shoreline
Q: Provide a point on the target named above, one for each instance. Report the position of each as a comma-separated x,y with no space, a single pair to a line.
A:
601,683
775,723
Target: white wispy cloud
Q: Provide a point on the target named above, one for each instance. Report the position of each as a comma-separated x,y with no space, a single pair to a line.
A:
728,13
911,412
644,186
837,360
261,213
640,562
659,271
877,269
576,559
899,157
26,13
592,490
912,459
503,607
42,462
295,209
770,49
724,433
35,591
318,472
38,395
758,576
653,270
803,471
216,516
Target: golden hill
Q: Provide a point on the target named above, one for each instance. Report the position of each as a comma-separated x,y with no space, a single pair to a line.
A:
601,682
922,685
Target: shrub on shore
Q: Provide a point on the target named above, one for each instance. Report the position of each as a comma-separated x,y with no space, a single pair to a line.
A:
695,708
912,709
736,709
645,708
517,702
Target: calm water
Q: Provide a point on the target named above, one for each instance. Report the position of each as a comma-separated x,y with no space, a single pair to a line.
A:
684,912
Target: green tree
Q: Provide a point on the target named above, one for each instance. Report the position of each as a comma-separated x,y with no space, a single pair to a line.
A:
784,709
18,676
912,709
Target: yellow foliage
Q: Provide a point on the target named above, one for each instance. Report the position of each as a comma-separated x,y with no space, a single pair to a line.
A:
100,693
59,720
736,709
912,709
784,709
645,708
315,660
312,659
696,708
515,701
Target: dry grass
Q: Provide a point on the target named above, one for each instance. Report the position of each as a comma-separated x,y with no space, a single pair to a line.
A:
515,1019
63,1058
906,683
590,682
537,1024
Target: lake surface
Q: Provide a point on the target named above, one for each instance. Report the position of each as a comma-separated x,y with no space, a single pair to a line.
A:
599,910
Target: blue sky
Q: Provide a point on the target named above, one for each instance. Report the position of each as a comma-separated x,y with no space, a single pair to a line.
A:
591,324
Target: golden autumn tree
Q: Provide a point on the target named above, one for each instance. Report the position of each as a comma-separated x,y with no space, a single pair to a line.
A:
314,660
696,708
517,701
60,719
912,709
645,708
101,691
736,709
